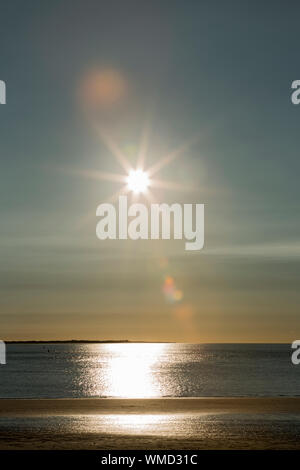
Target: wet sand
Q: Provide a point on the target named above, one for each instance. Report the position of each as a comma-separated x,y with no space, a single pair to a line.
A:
175,423
73,406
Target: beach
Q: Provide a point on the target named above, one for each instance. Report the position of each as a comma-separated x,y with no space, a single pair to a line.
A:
158,423
149,396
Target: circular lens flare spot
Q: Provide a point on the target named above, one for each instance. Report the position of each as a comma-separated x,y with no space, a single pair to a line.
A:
138,181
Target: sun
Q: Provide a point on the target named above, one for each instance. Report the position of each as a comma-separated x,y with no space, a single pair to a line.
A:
138,181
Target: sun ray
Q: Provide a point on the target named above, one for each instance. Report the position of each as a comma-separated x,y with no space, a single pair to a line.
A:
144,143
137,180
157,183
172,155
150,196
113,148
100,175
123,190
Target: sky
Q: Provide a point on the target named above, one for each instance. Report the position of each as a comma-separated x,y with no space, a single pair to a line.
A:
220,71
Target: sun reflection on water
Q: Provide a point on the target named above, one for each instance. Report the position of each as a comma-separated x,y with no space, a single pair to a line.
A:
130,371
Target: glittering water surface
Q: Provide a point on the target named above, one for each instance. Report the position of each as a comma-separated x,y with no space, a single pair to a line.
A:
148,370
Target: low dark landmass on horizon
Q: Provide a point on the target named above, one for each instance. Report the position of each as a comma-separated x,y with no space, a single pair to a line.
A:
82,341
124,341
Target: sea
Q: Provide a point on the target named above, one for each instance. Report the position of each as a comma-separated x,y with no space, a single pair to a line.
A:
137,370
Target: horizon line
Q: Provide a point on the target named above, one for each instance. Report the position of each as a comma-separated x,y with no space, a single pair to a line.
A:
127,341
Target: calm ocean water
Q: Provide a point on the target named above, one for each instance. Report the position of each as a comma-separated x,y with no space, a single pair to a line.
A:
148,370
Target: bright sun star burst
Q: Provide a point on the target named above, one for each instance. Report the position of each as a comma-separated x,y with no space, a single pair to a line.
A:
137,181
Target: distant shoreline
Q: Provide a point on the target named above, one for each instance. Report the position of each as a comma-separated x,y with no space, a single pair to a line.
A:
127,341
84,341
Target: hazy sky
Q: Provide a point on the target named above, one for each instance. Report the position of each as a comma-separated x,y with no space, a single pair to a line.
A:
218,70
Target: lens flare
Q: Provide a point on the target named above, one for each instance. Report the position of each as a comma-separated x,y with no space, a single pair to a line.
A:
102,88
172,294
